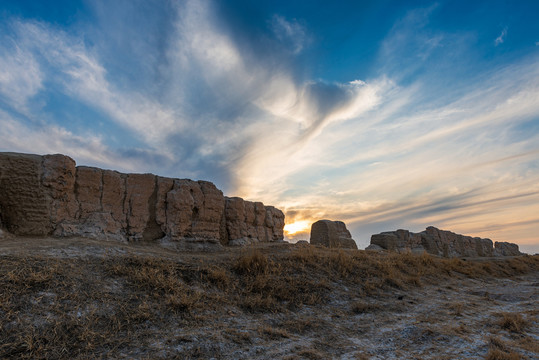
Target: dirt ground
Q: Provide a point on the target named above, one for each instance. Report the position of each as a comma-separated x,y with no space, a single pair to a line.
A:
83,298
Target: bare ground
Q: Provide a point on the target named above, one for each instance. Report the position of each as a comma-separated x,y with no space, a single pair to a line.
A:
82,298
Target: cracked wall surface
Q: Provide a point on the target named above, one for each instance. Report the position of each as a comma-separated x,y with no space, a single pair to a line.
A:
50,195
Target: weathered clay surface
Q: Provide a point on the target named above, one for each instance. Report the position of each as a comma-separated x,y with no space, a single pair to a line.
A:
502,248
274,223
440,243
251,222
194,210
25,208
332,234
59,179
49,195
113,198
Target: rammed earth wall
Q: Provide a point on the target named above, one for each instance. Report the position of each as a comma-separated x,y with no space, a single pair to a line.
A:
441,243
50,195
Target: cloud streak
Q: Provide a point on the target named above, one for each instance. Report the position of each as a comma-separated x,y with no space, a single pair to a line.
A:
83,77
501,38
291,32
20,76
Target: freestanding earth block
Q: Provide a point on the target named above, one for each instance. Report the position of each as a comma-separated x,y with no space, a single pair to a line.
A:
332,234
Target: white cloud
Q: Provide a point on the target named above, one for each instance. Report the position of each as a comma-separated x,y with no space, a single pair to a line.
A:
20,75
501,38
17,136
199,38
278,104
83,77
290,32
90,149
294,137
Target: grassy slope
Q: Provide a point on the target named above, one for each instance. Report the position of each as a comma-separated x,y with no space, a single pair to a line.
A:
237,304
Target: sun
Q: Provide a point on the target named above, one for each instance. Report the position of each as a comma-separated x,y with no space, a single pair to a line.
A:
296,227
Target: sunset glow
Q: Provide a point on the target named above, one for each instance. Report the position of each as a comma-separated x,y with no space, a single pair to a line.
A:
297,227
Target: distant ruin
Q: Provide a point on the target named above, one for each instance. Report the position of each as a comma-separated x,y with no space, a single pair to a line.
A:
332,234
441,243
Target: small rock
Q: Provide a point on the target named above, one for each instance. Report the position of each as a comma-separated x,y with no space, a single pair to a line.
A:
243,241
374,247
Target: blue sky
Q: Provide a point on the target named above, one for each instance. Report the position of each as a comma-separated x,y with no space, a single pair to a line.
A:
383,114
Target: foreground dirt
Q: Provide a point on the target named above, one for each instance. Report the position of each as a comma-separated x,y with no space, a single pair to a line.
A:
81,298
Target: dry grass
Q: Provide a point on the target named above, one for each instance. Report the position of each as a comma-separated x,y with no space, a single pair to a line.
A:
360,307
303,325
237,336
513,322
499,350
252,263
528,343
273,333
455,308
497,354
124,306
311,354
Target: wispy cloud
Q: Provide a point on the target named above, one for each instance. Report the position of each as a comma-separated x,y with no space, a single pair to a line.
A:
82,76
18,136
501,38
20,75
278,115
290,32
294,139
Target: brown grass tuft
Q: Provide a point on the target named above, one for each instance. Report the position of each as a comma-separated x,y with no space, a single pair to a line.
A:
311,354
360,307
513,322
273,333
252,263
219,277
455,308
499,350
497,354
237,336
303,325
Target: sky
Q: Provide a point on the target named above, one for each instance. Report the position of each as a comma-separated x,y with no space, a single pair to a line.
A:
382,114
